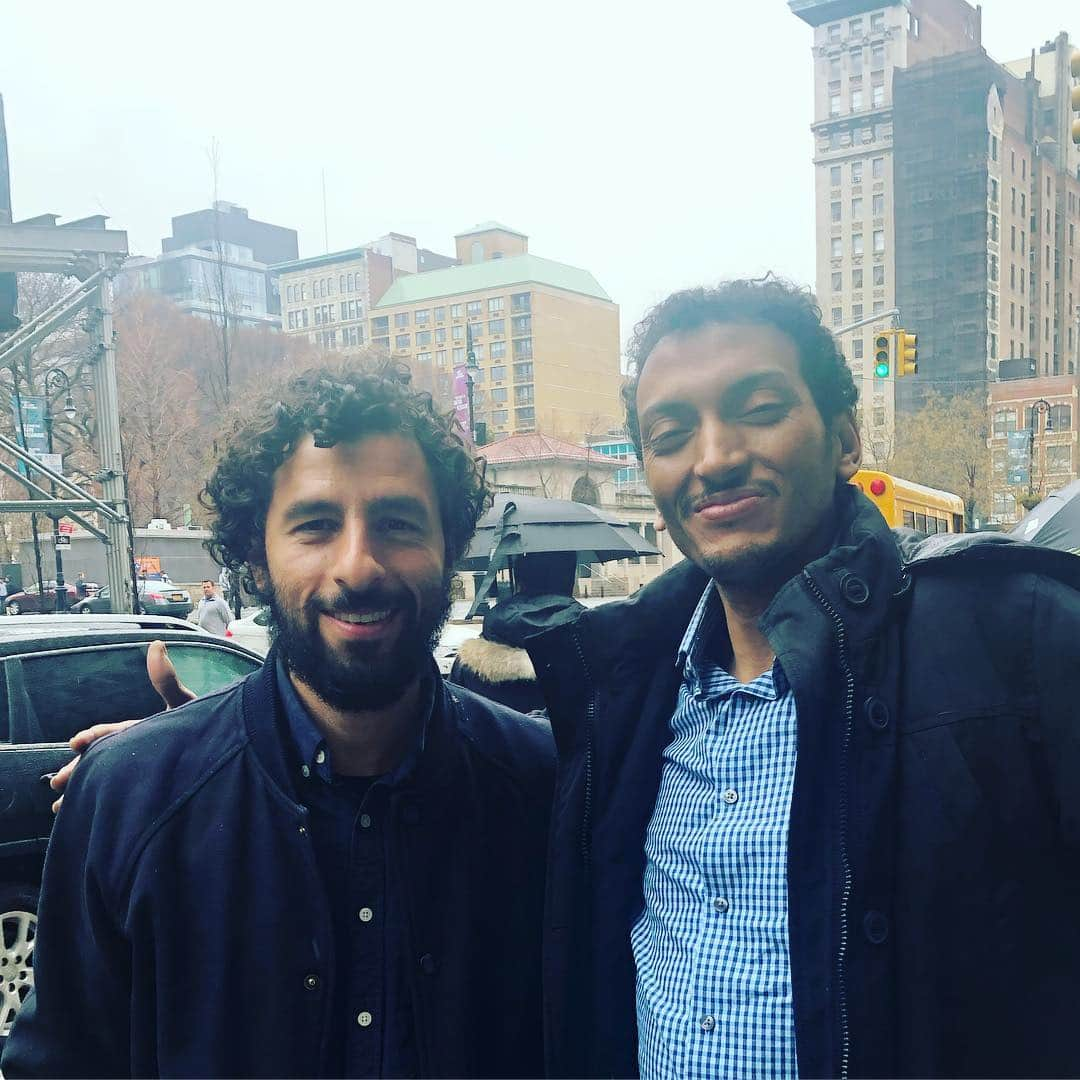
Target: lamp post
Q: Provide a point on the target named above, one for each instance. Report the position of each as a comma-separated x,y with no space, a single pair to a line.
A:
471,368
56,379
1040,406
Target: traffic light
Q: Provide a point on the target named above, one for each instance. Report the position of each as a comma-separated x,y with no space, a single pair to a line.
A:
1074,66
883,347
907,354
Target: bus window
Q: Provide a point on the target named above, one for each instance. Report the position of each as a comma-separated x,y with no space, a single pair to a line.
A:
909,519
958,523
931,525
920,523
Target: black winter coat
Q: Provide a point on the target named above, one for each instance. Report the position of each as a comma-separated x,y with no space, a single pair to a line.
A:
934,855
184,929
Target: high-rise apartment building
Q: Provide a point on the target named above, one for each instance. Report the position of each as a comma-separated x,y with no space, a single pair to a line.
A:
327,298
545,336
217,261
858,45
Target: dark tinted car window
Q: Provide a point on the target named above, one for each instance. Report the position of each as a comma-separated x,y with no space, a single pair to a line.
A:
48,698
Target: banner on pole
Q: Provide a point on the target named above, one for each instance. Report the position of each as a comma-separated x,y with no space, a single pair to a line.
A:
461,401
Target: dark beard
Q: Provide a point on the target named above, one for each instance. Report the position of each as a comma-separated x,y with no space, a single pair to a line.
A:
360,681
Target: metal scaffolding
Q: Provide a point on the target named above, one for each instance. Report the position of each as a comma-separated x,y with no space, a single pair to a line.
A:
87,251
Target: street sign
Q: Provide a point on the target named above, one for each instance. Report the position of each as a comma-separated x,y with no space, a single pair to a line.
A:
52,461
62,540
66,527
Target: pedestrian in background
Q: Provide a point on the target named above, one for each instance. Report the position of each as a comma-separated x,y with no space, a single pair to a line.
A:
3,594
212,614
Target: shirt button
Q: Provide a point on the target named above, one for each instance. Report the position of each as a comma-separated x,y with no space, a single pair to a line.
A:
365,821
364,1019
312,982
366,914
731,796
305,771
721,905
708,1023
320,757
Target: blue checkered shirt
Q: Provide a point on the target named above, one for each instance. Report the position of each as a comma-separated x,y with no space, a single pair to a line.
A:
711,947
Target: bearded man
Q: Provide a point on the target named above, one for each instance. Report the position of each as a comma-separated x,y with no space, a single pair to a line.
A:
335,866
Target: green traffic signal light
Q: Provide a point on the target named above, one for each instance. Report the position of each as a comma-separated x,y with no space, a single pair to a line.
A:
882,364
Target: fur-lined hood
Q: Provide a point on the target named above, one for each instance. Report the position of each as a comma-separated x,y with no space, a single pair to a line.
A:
495,663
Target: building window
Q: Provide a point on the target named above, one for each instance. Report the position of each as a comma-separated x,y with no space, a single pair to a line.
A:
993,268
856,312
423,338
525,416
879,307
856,61
856,209
1061,417
878,168
1004,505
523,348
474,308
857,278
292,320
856,101
380,324
401,320
856,172
834,176
423,358
837,316
837,247
834,103
877,20
457,311
877,57
1012,322
521,324
524,395
495,304
1004,422
857,349
497,350
994,227
520,302
834,67
422,317
878,206
498,373
835,211
877,92
879,417
440,314
440,335
401,341
837,281
477,329
440,358
458,332
834,33
1059,459
523,372
499,394
856,244
993,346
879,241
458,356
855,27
288,294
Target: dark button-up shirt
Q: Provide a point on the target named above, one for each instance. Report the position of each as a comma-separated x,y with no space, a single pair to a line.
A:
372,1028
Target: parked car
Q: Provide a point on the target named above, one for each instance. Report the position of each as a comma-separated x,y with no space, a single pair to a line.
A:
252,630
155,598
59,675
36,598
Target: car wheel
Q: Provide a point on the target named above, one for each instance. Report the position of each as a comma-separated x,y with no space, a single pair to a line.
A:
18,929
13,608
84,610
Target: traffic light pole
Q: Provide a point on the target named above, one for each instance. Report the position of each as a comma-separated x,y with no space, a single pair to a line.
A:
870,320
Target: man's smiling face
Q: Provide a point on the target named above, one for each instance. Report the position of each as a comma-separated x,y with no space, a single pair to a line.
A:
741,464
355,562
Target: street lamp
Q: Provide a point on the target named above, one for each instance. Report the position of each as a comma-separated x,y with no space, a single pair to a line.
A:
57,380
471,370
1040,406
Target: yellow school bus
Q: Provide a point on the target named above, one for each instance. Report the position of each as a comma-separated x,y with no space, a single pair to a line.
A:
911,506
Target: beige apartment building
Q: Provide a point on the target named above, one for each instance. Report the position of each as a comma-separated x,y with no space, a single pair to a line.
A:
327,298
545,336
858,45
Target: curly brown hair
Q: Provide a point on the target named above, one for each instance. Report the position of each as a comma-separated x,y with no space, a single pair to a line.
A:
768,301
335,404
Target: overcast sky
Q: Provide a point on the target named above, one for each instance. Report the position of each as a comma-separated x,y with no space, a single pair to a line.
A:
657,145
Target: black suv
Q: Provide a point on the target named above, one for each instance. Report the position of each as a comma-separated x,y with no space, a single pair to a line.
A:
58,675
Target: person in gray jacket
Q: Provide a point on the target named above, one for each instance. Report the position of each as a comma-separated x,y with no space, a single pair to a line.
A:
212,614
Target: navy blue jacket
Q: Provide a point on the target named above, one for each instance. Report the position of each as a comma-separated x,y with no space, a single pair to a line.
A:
934,857
184,930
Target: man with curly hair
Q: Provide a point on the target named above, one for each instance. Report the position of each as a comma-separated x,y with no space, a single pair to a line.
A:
817,810
335,866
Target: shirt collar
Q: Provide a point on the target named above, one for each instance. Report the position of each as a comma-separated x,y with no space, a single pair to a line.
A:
309,743
701,627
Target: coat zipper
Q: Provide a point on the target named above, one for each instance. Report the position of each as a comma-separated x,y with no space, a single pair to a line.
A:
845,865
585,837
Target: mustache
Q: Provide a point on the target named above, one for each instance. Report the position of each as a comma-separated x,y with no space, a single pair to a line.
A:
689,501
378,598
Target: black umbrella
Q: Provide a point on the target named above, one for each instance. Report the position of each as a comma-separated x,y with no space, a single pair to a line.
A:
1055,522
529,525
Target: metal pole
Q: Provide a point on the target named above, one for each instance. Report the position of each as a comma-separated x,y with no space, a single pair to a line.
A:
15,376
61,585
118,553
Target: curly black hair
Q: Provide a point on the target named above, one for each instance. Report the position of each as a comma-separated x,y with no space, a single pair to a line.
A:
335,404
768,301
